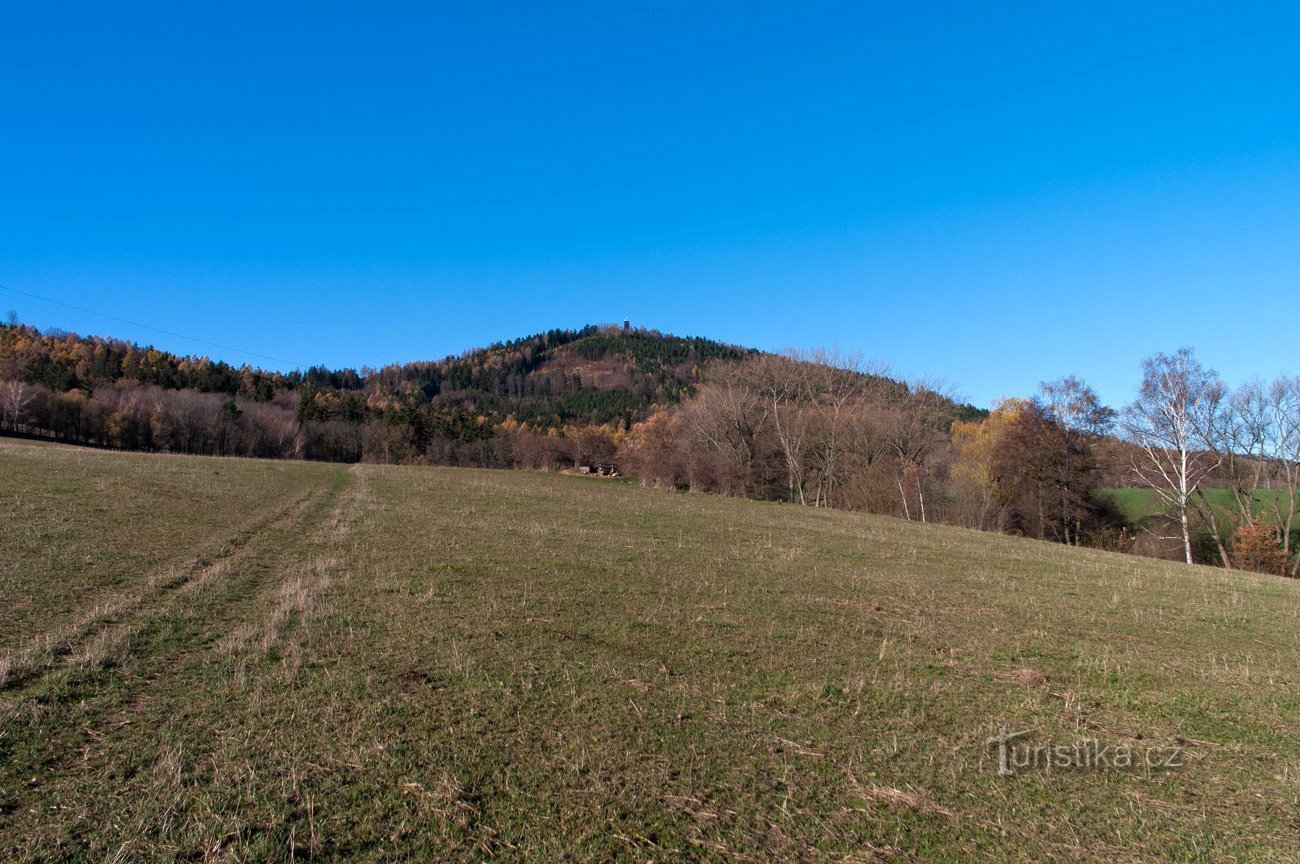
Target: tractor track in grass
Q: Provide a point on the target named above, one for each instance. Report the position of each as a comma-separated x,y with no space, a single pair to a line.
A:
288,600
67,717
101,632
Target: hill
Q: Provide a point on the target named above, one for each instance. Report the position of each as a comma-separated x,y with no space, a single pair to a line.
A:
301,661
460,410
593,374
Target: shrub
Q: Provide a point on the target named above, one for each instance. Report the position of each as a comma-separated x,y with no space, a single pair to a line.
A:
1258,546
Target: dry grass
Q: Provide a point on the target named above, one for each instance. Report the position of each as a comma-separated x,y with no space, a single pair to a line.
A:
912,800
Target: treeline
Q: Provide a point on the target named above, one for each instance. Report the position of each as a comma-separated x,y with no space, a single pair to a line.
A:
816,430
473,409
146,417
813,430
530,377
1191,434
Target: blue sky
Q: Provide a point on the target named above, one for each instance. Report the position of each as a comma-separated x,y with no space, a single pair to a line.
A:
991,193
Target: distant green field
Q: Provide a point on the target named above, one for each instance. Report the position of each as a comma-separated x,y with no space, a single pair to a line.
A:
230,660
1139,504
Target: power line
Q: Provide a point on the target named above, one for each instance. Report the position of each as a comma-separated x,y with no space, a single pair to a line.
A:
292,363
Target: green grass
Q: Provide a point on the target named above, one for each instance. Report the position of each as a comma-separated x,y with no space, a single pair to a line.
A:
282,662
1139,504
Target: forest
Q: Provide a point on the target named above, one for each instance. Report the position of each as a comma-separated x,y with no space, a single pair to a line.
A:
819,429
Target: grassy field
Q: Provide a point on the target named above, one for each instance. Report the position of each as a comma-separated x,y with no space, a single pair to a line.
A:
1140,504
210,660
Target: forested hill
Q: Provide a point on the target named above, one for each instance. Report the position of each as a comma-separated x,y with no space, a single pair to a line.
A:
98,390
591,375
594,375
465,409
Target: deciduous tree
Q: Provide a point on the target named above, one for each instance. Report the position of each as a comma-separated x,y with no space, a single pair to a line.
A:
1165,423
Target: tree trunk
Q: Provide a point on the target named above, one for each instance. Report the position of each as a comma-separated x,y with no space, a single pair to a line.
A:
1214,530
1187,532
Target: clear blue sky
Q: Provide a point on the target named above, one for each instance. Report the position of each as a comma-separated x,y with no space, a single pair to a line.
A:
993,193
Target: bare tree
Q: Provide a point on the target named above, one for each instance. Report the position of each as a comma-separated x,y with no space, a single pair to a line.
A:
918,420
1241,430
1235,425
1165,422
1075,405
1281,455
15,398
841,391
783,382
805,424
730,418
1255,431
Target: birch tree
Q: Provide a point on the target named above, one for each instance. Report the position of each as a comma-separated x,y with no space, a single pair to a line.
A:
15,398
919,417
1164,422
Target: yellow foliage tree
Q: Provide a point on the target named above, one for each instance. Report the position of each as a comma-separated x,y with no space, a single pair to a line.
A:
977,442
